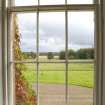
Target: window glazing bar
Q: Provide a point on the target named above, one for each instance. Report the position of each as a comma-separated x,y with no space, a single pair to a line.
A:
66,40
72,61
88,7
9,58
66,54
37,59
3,27
98,54
37,48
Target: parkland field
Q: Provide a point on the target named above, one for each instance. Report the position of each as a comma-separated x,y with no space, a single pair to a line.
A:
79,74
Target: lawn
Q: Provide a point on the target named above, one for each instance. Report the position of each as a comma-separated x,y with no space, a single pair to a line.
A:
80,74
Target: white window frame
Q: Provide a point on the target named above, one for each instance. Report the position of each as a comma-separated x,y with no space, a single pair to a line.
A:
8,93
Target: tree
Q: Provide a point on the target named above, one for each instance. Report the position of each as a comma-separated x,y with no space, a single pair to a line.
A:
33,55
91,52
72,54
50,55
82,54
62,55
29,55
86,53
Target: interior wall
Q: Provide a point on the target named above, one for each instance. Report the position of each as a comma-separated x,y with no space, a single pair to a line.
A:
3,55
1,91
103,25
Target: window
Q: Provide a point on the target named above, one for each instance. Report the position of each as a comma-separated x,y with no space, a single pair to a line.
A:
53,51
81,37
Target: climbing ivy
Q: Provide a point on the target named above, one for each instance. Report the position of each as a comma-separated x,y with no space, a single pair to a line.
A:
25,95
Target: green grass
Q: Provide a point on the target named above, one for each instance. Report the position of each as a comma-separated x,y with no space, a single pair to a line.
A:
78,74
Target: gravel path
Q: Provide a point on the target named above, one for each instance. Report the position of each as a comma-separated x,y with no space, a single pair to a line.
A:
51,94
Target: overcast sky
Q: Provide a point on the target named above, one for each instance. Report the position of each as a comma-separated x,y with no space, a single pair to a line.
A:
52,30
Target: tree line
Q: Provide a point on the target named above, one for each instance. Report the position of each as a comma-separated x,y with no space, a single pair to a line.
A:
83,53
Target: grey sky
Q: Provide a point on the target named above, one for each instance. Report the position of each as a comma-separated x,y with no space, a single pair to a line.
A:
52,31
52,28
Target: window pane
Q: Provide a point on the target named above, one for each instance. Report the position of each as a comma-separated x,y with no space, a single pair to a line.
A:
52,84
80,88
52,67
52,35
80,1
81,30
51,2
81,58
26,87
25,2
82,65
26,27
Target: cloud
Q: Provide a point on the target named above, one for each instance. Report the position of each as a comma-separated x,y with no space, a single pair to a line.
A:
81,28
52,31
